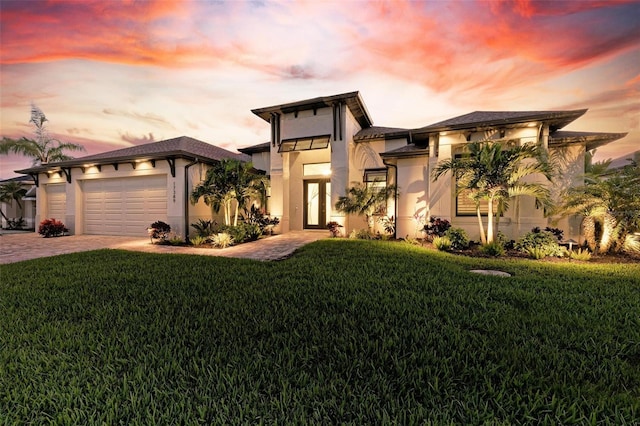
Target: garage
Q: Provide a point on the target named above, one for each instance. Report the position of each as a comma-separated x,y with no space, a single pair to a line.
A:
124,206
57,201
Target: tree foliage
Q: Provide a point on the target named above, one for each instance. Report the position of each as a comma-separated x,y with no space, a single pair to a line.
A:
10,192
497,175
365,200
43,148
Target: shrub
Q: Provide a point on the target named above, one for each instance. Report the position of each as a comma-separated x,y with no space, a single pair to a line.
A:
198,240
442,243
388,224
506,242
254,216
361,234
436,227
580,254
535,252
334,229
222,240
544,241
494,248
204,228
632,244
52,228
175,240
159,231
14,223
458,238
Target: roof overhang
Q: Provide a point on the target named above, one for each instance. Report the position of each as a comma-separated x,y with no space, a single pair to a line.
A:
591,140
353,100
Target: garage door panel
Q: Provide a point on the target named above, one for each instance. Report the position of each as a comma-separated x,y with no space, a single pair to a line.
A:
57,201
124,206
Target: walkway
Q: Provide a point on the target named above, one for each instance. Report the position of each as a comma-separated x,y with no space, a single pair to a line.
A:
25,246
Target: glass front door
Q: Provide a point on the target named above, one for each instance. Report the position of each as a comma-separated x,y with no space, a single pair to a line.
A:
317,203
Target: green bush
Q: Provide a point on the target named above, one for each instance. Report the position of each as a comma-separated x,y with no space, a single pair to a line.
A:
222,240
580,254
159,230
205,228
545,243
198,240
361,234
458,237
442,243
494,249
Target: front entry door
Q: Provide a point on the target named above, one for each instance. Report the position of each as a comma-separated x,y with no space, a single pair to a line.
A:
317,203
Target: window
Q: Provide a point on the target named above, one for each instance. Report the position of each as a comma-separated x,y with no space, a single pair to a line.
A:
465,206
375,178
304,144
316,169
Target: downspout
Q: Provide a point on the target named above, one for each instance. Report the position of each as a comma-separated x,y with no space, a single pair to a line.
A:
395,197
186,199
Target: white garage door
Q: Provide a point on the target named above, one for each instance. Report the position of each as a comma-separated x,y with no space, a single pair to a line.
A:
124,206
57,201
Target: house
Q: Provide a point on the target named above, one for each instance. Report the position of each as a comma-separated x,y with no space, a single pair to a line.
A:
122,192
318,148
26,210
321,146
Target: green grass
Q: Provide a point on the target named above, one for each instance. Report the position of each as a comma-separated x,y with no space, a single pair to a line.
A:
359,332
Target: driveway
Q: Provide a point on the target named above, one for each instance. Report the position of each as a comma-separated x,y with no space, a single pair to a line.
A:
25,246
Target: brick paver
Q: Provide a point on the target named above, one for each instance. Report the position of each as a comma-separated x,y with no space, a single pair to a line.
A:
25,246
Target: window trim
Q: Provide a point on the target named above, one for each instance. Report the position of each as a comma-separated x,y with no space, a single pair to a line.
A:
315,142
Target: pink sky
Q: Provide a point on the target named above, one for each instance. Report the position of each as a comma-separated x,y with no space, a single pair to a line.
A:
111,74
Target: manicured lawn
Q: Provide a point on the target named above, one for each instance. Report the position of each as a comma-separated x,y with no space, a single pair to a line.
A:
343,332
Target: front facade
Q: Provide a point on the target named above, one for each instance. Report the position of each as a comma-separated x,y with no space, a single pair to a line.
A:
318,149
322,146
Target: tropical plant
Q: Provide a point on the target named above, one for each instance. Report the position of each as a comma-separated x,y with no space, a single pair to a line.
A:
494,248
580,254
543,243
226,181
43,148
458,237
362,234
609,202
10,192
365,200
159,230
222,240
256,216
198,240
388,224
52,228
436,227
442,243
204,228
496,175
334,229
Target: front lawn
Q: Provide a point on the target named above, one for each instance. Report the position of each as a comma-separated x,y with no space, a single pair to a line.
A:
361,332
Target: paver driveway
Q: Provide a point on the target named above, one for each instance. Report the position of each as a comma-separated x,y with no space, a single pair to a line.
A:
25,246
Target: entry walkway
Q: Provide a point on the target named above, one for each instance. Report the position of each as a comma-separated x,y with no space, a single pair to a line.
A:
25,246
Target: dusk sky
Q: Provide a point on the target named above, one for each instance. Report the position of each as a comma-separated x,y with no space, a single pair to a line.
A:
111,74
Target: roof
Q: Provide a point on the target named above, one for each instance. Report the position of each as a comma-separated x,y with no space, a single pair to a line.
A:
254,149
26,179
624,160
556,119
406,151
591,140
377,132
181,147
352,99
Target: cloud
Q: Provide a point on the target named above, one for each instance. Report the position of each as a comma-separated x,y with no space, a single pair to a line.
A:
138,140
148,117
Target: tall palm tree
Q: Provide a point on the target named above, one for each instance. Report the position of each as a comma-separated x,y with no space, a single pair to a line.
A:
226,181
9,192
365,200
496,175
43,148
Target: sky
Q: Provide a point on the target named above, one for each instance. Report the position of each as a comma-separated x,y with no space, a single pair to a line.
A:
113,74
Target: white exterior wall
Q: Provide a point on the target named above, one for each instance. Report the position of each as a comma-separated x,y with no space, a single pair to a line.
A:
74,216
572,165
413,200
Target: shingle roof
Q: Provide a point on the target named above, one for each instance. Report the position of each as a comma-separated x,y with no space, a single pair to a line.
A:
261,147
378,132
352,99
406,151
591,140
556,119
183,147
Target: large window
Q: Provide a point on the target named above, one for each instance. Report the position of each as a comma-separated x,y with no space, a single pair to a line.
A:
466,206
304,144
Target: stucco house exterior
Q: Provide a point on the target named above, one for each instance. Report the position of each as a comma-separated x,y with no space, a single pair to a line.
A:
122,192
321,146
318,148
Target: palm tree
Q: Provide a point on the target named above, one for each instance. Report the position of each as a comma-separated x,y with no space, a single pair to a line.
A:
43,149
9,192
496,175
609,201
226,181
365,200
